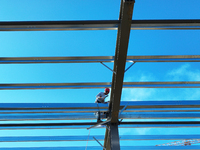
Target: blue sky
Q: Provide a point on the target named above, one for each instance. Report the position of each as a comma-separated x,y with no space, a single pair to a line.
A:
95,43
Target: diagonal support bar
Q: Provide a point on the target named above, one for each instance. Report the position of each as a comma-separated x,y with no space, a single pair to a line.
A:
98,124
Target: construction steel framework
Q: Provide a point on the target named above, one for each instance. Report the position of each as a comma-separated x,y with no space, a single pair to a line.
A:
116,109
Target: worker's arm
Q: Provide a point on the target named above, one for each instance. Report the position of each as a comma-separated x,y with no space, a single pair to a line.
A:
101,97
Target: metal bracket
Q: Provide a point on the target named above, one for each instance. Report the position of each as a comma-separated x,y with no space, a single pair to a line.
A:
114,71
108,67
130,65
98,124
123,109
99,143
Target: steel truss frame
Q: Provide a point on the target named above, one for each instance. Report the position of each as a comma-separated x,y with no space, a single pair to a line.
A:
134,110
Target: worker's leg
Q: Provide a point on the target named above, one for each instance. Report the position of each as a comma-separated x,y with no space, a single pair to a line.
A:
98,115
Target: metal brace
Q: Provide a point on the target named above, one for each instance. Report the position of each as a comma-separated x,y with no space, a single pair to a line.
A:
114,71
108,67
101,123
123,108
130,65
99,143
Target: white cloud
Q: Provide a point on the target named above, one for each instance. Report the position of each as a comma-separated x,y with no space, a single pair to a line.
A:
184,73
137,94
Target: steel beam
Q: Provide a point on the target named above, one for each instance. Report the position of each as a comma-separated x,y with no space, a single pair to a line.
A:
84,125
160,115
98,59
54,86
50,106
161,104
197,147
90,138
59,25
91,116
133,105
179,84
111,141
164,58
98,25
50,111
114,137
126,11
30,60
176,84
52,148
165,24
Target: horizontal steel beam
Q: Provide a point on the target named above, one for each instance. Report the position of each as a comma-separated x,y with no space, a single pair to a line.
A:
190,109
90,138
165,24
97,25
54,86
164,58
132,106
175,84
100,148
84,125
97,59
27,60
162,104
53,148
51,106
58,25
23,86
91,116
159,115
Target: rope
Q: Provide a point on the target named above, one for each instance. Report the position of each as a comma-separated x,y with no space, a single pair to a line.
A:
88,139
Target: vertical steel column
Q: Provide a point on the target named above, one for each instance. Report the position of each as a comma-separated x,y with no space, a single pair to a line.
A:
114,137
124,28
111,141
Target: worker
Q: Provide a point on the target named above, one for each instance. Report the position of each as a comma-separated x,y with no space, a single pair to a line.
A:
100,98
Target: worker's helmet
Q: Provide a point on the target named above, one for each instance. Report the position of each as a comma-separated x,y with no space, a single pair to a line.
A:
107,90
